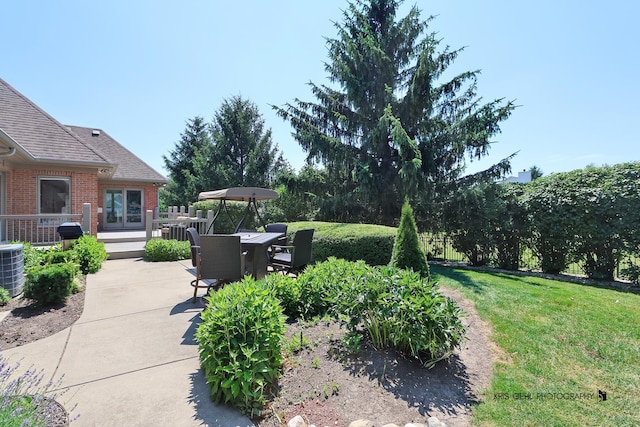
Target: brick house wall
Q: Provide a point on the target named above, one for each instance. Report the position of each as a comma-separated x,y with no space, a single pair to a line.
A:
22,191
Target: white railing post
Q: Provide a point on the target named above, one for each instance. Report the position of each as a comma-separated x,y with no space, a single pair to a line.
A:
149,224
86,218
209,219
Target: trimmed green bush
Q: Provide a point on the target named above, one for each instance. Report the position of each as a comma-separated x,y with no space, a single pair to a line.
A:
407,250
51,283
239,341
56,255
157,250
371,243
90,254
5,297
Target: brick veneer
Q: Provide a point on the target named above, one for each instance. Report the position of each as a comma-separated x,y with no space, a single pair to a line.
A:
22,191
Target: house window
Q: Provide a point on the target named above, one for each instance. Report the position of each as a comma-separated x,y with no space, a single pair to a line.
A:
55,195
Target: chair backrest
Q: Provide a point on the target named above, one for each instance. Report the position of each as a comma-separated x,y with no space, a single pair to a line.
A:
220,257
303,244
276,228
194,240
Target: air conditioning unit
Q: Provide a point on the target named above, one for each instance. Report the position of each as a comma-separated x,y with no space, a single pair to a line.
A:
12,268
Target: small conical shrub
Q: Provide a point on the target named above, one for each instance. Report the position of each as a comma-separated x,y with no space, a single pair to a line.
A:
407,252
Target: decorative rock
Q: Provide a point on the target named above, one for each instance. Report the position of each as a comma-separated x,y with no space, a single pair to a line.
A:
297,421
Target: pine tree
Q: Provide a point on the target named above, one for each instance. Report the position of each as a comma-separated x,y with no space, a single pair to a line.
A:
407,252
182,188
394,126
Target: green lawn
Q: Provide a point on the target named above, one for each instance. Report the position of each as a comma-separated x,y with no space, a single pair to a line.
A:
561,343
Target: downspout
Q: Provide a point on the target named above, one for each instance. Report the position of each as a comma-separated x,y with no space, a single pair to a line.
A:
9,153
12,150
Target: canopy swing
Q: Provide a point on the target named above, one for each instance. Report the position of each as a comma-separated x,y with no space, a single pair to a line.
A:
238,194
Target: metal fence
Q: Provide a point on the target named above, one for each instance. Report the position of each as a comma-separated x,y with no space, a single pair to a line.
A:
439,247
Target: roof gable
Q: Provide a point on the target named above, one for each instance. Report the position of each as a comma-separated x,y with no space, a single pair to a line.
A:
38,135
129,166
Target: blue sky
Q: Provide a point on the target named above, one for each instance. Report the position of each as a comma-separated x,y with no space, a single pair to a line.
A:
140,69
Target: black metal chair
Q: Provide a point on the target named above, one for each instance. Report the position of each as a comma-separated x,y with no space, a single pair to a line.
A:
297,255
219,260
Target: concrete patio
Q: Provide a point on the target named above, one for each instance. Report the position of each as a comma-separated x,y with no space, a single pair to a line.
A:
131,358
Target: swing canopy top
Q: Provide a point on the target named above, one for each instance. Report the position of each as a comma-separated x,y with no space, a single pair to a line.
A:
241,194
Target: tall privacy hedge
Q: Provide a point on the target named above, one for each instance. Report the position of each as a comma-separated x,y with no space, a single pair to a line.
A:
590,216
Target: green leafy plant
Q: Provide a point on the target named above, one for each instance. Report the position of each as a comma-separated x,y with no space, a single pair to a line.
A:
315,363
32,256
51,283
322,283
90,253
239,341
56,255
407,251
5,297
158,250
400,309
287,290
330,389
24,400
296,344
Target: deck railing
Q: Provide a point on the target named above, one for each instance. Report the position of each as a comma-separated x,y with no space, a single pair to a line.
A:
41,229
173,224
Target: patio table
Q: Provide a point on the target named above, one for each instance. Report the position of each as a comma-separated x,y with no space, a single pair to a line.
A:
256,245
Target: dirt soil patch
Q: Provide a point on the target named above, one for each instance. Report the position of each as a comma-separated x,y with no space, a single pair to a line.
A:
27,322
328,386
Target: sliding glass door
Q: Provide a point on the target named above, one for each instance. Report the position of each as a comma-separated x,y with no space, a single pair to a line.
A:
123,208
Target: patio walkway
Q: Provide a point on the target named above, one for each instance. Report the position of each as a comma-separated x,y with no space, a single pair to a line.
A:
131,358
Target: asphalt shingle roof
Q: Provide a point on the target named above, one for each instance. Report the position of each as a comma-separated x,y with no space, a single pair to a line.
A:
43,138
129,166
38,134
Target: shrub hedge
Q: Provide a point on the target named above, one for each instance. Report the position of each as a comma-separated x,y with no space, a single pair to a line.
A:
370,243
158,250
50,283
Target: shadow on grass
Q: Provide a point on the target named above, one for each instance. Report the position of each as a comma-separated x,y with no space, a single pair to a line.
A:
456,272
459,276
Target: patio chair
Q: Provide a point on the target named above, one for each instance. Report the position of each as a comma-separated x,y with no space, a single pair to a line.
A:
298,254
220,260
282,241
194,240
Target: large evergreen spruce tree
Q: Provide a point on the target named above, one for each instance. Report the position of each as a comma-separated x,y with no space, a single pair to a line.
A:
394,124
